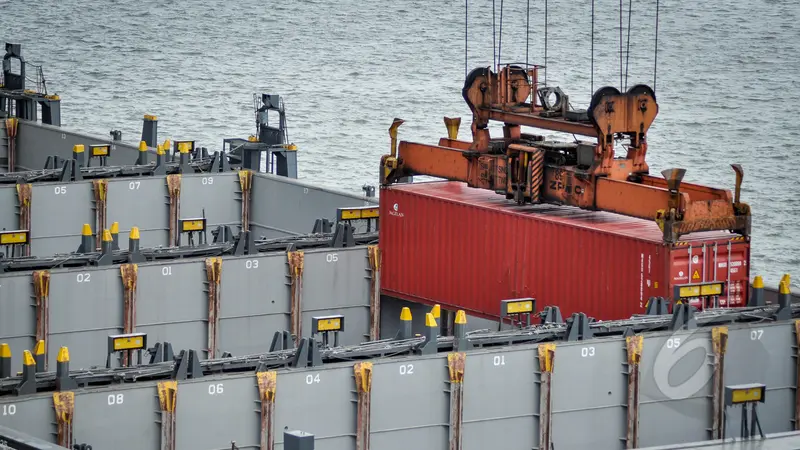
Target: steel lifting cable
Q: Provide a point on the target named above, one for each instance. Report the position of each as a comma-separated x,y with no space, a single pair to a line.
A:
527,33
655,58
500,41
494,36
628,49
545,42
592,66
620,44
466,23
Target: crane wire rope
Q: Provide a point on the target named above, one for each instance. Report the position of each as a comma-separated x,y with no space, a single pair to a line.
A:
494,36
466,24
545,42
592,66
628,49
620,44
527,32
500,40
655,57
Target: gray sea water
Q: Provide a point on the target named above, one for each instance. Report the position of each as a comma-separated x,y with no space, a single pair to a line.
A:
728,79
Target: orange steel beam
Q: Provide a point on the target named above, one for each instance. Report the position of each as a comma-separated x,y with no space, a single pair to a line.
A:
530,120
630,199
430,160
454,143
644,201
696,191
694,208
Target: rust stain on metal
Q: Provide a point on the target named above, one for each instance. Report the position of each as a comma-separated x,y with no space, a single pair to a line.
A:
797,381
547,354
100,207
246,184
64,404
24,194
41,293
267,384
634,348
168,399
719,338
174,191
456,362
375,292
363,375
214,275
296,260
130,276
11,133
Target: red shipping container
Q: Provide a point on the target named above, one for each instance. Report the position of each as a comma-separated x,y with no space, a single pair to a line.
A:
466,248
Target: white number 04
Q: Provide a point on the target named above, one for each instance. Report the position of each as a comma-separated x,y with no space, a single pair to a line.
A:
312,378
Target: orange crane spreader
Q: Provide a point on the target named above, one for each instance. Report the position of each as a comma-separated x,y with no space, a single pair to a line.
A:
530,169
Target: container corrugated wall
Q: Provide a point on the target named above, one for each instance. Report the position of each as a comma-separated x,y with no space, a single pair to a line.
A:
469,249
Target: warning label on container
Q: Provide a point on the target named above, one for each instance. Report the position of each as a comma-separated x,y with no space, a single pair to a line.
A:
696,275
